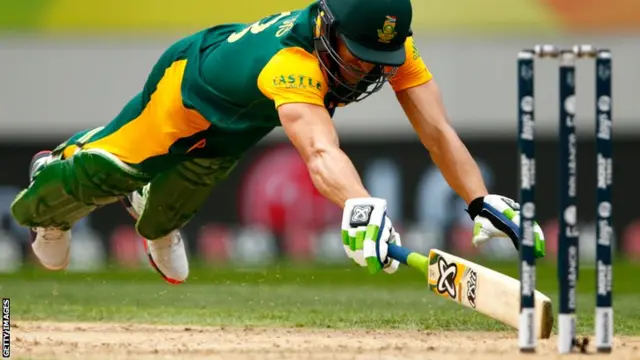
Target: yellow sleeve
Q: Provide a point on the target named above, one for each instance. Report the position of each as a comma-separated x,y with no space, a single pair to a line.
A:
413,72
293,76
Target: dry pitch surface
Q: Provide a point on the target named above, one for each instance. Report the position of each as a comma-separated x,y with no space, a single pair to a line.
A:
282,313
52,340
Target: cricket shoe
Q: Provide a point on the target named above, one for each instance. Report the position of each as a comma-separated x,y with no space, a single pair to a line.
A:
51,246
167,254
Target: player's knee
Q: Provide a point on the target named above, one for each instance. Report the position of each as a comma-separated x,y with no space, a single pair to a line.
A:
21,211
206,172
175,195
98,178
66,191
47,202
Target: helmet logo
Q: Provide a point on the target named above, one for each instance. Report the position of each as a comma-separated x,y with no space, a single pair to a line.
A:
388,31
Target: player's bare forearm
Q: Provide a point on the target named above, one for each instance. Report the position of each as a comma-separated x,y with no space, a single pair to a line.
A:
425,110
334,176
457,166
311,131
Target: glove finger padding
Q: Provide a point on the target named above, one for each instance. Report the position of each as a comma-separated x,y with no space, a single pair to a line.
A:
351,249
501,211
497,216
538,236
376,248
483,231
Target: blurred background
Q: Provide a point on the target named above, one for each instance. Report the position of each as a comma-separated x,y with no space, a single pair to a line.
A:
67,65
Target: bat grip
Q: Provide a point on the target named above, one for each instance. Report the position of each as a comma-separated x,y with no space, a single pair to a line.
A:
408,257
399,253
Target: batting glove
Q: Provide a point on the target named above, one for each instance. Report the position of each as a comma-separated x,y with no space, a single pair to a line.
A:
366,233
496,216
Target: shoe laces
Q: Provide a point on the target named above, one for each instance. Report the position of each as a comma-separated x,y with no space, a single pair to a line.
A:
50,234
173,239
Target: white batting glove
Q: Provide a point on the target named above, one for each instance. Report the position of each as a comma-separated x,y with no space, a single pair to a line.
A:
496,216
366,233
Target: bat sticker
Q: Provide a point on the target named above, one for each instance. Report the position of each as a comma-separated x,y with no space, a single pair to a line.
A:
447,278
472,284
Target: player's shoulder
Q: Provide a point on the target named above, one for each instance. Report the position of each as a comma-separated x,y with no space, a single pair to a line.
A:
293,72
411,47
296,30
294,52
270,35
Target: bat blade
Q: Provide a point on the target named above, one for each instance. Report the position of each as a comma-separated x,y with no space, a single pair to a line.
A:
487,291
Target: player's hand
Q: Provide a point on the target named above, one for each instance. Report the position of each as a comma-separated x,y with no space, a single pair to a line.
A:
366,233
496,216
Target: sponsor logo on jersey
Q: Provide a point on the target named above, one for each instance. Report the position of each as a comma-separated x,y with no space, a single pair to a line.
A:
416,53
297,81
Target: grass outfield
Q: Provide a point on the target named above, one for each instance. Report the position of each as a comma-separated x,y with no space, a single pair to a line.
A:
286,297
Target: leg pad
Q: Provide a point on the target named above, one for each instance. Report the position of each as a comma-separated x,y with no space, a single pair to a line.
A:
67,190
175,195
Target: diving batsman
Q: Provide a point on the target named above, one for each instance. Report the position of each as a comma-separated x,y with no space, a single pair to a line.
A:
214,94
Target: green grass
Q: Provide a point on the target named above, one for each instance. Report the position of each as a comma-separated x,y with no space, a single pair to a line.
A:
285,296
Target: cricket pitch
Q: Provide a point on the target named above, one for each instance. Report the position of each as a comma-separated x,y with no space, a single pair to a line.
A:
57,340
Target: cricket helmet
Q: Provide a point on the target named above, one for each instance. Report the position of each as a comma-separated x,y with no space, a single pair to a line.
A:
374,31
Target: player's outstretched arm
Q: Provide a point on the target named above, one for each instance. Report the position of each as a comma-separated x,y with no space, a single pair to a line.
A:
494,216
424,107
366,228
310,129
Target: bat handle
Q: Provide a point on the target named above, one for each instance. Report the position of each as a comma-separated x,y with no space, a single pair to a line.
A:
399,253
408,257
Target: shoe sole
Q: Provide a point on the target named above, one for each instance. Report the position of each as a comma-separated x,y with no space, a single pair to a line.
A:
129,207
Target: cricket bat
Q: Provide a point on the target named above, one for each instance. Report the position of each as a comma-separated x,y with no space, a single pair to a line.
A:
487,291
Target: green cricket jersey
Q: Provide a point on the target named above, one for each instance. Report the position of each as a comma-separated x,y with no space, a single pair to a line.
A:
216,92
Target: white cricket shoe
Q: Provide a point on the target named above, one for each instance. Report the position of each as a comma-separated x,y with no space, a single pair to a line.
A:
167,254
169,257
51,246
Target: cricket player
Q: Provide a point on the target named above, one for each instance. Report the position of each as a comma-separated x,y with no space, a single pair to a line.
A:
214,94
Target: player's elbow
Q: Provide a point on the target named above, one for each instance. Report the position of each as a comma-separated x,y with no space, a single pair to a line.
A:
314,150
319,167
310,129
316,156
